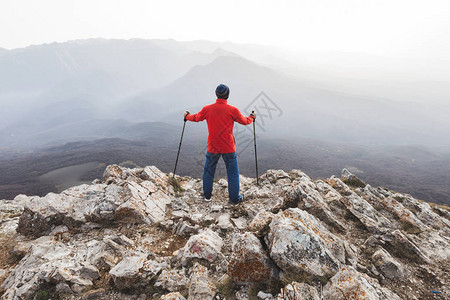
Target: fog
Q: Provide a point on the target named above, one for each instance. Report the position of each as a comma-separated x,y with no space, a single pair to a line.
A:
54,93
352,83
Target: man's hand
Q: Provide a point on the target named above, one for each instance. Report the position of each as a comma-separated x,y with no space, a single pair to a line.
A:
253,114
186,112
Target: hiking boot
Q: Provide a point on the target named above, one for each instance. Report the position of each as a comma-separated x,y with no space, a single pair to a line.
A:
240,200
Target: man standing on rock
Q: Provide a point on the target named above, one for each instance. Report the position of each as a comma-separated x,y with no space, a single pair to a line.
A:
220,117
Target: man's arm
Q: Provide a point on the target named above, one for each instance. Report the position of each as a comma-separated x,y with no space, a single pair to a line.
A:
241,119
200,116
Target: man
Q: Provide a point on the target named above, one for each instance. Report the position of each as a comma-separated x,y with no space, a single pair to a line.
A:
220,117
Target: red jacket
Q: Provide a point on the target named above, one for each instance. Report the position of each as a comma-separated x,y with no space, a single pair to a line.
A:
220,117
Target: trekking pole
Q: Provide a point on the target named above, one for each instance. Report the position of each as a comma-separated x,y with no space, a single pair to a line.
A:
179,148
256,156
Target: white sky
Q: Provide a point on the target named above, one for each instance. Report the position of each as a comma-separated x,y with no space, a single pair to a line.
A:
394,27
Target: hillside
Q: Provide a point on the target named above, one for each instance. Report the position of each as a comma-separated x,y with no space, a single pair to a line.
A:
134,235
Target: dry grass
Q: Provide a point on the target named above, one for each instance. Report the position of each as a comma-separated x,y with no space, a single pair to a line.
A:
441,206
7,259
176,184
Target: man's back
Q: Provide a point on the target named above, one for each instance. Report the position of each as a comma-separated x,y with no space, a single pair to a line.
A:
220,117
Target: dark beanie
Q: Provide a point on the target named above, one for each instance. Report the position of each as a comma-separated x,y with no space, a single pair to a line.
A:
222,91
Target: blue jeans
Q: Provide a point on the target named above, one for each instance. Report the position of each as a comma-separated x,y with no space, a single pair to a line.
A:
231,164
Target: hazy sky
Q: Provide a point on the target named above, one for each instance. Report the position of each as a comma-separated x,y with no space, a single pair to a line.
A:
396,27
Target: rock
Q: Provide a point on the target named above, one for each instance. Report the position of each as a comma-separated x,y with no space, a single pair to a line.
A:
179,213
89,271
432,244
409,221
173,296
304,192
262,295
197,218
206,245
401,246
351,256
41,214
366,214
112,173
59,230
350,284
172,280
106,258
240,223
179,204
184,228
273,176
351,179
387,265
261,192
248,261
299,229
374,271
201,287
131,200
346,174
297,290
134,271
261,221
424,212
122,240
63,288
142,205
224,222
47,260
299,244
14,208
223,183
216,208
155,175
339,186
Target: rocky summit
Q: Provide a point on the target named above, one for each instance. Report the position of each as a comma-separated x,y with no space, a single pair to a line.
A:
143,234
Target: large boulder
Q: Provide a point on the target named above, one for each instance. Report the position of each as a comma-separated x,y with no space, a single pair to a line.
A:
53,262
300,244
248,262
308,195
142,205
42,214
206,246
135,271
409,221
424,212
350,284
374,221
132,196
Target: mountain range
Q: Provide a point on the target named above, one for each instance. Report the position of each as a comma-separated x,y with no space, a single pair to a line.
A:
131,90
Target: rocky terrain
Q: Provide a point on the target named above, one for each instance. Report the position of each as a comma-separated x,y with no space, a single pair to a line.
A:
138,234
